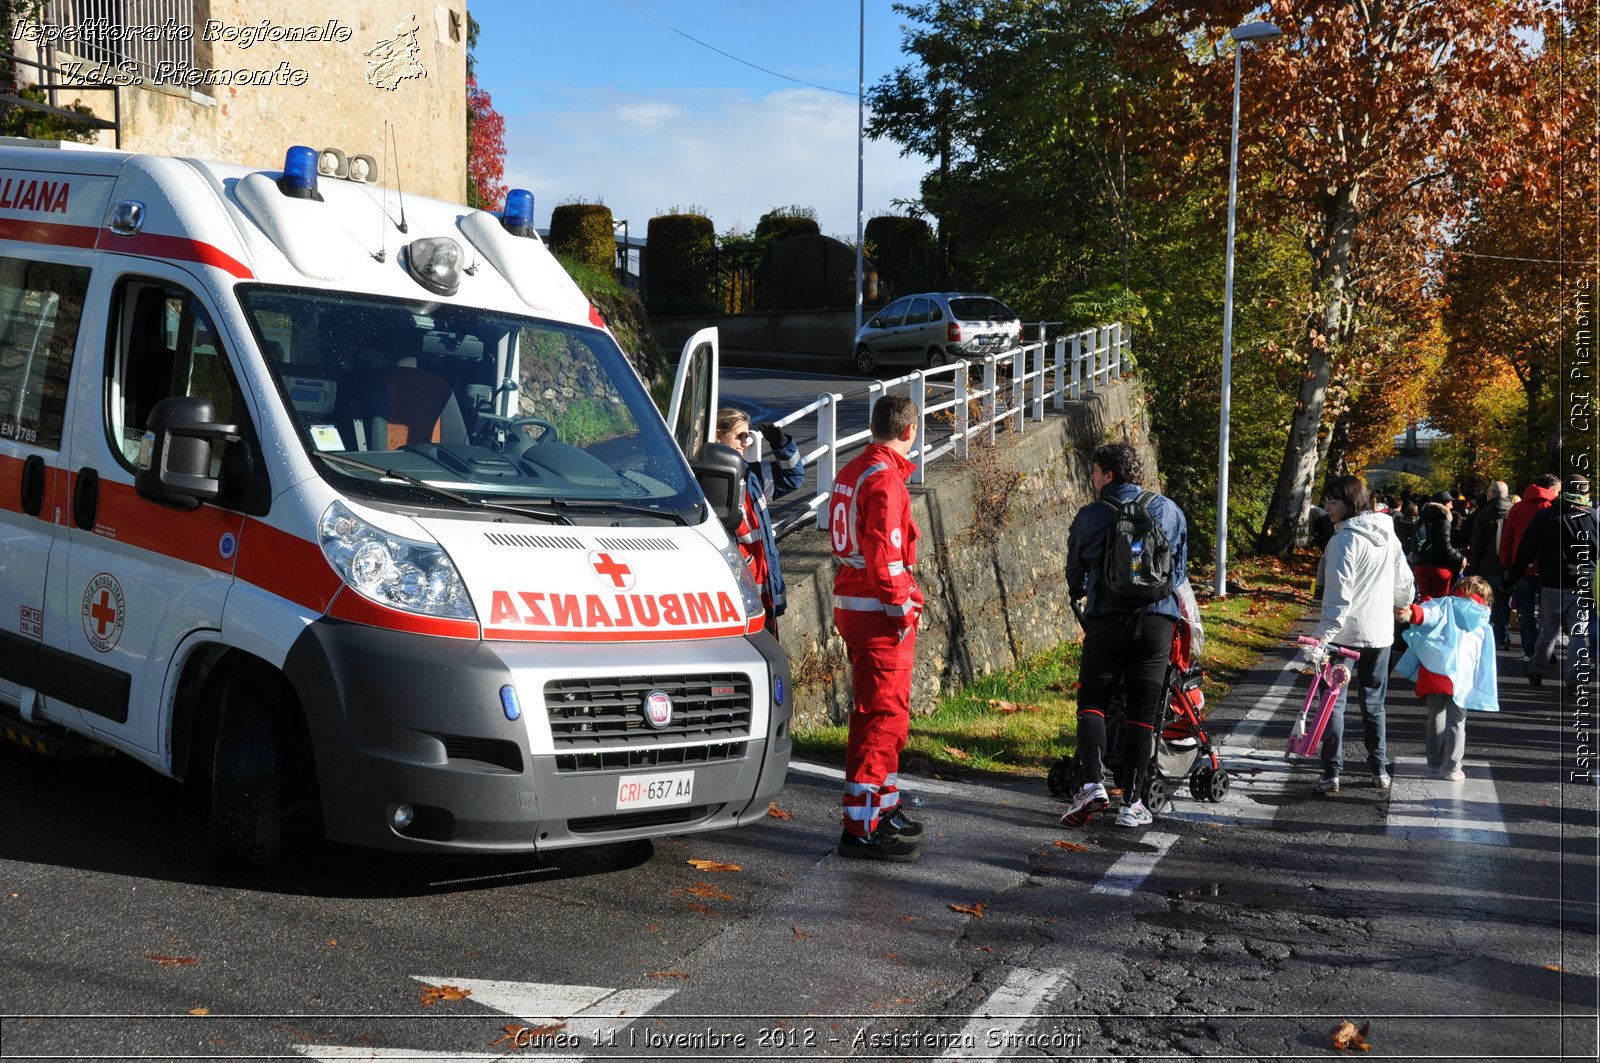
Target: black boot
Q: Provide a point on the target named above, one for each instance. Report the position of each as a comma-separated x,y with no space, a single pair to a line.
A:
897,824
881,844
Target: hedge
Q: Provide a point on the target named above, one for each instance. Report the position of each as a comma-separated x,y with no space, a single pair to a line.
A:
584,232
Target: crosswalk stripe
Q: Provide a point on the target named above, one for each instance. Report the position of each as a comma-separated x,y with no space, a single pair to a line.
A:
907,783
1007,1011
1422,805
1258,780
1131,869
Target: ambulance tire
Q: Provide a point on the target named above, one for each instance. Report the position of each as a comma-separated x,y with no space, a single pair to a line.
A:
246,830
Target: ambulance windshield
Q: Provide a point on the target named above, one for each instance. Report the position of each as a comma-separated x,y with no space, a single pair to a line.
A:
483,404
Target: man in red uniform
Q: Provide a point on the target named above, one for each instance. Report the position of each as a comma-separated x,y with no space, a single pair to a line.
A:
876,606
1540,494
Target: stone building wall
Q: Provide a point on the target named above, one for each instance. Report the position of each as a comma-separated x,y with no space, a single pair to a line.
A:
342,100
991,562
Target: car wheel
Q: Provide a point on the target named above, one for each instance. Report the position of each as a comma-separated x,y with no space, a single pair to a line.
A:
938,356
246,826
865,363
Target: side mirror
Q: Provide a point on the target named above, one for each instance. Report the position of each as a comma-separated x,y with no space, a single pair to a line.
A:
175,455
720,472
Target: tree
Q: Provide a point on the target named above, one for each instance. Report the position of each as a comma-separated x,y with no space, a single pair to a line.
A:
486,150
1382,113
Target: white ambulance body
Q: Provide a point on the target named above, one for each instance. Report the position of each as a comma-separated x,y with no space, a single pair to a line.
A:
315,490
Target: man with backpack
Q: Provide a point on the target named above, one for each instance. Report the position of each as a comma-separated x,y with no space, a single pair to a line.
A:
1126,553
1561,541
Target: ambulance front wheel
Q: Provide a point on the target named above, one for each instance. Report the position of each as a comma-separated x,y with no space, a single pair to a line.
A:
246,827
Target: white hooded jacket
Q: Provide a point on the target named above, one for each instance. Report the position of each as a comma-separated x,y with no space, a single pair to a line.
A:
1367,580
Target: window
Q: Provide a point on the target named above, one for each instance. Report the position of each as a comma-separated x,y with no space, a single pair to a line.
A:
920,312
165,346
892,316
41,304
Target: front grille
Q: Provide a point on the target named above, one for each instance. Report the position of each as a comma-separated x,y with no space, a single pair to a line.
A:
634,820
649,757
594,713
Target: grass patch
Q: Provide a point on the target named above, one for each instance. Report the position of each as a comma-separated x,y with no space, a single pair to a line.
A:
1020,721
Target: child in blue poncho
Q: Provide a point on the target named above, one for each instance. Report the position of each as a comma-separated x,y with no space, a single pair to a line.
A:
1450,654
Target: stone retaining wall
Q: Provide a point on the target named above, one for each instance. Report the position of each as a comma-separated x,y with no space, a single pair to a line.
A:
991,561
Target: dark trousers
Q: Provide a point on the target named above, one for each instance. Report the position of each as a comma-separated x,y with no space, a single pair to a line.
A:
1126,652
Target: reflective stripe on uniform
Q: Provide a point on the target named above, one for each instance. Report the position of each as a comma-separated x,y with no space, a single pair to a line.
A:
857,605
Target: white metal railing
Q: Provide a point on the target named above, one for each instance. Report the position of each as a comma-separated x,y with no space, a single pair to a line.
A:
1015,386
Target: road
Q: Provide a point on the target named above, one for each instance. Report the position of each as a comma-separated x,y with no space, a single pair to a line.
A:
1459,921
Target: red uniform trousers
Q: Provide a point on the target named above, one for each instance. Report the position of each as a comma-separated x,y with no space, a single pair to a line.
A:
880,683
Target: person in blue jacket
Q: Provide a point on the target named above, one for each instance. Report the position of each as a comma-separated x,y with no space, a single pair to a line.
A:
1450,654
781,473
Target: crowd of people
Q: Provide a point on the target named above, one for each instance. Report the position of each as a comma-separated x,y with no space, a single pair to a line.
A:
1438,576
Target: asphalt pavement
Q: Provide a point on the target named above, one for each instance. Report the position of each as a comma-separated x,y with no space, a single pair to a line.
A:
1452,921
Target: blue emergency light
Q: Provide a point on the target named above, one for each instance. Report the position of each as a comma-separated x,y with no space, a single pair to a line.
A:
518,217
299,178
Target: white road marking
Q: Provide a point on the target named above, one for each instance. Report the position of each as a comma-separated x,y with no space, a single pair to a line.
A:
1258,780
1282,699
1422,805
1006,1012
1131,869
585,1012
905,783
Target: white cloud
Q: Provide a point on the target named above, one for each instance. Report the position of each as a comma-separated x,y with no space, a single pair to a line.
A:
733,155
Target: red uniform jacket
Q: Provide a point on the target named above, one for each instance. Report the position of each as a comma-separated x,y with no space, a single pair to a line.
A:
874,537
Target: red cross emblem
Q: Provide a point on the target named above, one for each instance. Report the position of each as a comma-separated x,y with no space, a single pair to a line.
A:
104,611
617,574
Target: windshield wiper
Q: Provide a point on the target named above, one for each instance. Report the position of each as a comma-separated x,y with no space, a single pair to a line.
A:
444,492
619,507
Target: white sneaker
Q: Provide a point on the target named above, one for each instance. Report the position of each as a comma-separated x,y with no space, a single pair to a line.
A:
1453,776
1326,786
1091,798
1135,815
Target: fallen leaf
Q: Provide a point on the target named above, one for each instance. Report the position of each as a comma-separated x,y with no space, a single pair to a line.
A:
983,948
333,941
702,909
892,955
1071,847
798,933
199,1011
713,865
171,961
433,994
1000,705
959,754
1348,1035
670,974
910,918
523,1036
777,813
705,889
1555,967
975,909
905,1000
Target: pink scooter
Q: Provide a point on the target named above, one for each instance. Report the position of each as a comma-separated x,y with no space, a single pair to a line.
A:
1326,682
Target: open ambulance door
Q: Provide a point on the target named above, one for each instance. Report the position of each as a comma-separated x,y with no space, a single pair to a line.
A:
692,416
692,420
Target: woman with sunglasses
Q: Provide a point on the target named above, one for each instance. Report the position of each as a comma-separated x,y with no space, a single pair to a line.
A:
781,473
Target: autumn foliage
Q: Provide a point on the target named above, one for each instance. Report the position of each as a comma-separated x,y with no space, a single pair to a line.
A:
486,150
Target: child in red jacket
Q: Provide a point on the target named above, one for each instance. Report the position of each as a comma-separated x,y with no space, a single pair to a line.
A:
1450,654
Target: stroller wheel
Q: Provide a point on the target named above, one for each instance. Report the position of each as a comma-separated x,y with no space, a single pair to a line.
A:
1156,793
1218,787
1200,783
1063,777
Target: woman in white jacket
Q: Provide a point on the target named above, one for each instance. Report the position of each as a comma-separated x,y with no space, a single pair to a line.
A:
1367,579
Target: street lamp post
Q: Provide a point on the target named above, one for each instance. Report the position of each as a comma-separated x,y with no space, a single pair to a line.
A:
1243,35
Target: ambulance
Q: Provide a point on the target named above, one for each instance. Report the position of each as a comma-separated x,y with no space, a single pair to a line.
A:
345,504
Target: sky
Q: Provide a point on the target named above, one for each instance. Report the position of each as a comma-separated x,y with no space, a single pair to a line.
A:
604,103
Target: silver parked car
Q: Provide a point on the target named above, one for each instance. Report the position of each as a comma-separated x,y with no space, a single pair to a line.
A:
935,328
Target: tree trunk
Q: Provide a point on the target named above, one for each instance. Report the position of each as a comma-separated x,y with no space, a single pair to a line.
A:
1285,528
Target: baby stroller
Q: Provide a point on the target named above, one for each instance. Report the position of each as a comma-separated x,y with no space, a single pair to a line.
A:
1183,750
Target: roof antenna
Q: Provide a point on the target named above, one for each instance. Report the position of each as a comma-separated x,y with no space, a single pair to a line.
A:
397,186
383,208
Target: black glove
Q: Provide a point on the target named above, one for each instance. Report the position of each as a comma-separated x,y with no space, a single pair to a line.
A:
772,434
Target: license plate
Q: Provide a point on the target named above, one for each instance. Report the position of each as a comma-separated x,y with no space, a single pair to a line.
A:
662,790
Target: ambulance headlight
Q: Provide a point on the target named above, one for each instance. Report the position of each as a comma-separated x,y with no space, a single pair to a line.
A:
400,573
747,583
435,263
